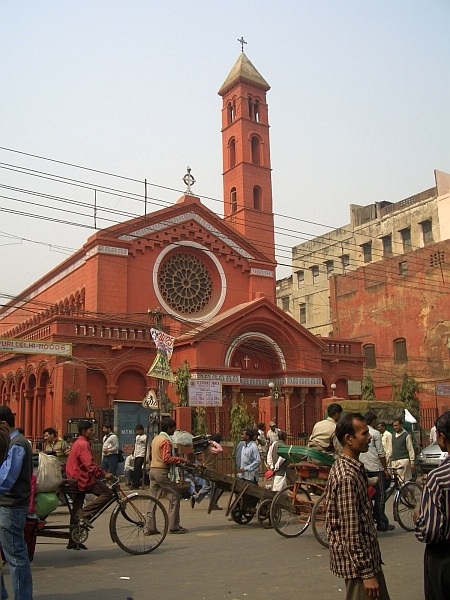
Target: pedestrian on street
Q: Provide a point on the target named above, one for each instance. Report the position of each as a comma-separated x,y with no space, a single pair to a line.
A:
15,492
402,451
433,522
110,450
386,438
162,478
272,434
140,447
354,551
249,458
374,461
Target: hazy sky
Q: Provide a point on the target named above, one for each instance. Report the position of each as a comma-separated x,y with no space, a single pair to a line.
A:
359,111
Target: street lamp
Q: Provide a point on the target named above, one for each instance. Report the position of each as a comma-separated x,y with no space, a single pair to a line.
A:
275,395
333,390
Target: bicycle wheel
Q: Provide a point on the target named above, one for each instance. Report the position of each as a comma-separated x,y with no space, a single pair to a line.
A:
318,521
128,521
406,502
290,511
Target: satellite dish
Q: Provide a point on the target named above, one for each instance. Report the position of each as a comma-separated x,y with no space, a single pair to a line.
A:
151,400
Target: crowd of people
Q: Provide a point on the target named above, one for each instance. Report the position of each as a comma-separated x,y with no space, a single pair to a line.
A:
362,450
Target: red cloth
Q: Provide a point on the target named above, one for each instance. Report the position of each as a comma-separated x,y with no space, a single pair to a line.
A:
81,466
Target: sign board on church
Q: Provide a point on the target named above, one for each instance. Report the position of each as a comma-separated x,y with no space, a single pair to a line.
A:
205,392
35,347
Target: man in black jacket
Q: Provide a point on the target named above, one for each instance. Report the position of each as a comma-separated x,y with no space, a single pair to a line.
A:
15,491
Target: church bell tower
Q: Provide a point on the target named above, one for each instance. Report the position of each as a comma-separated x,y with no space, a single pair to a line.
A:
247,182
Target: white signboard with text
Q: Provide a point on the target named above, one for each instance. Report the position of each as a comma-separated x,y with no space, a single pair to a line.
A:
205,392
35,347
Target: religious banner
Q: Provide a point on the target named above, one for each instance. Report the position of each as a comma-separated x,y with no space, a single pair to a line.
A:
163,342
35,347
160,368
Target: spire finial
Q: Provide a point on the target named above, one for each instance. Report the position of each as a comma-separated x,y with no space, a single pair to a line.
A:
188,180
242,42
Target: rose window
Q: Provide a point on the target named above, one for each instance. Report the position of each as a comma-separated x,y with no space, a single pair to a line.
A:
185,283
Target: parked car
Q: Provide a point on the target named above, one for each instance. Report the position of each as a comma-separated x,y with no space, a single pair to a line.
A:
430,457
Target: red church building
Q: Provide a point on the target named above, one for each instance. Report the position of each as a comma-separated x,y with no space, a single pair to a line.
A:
213,278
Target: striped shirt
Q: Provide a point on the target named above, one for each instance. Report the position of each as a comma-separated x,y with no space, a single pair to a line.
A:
354,549
433,523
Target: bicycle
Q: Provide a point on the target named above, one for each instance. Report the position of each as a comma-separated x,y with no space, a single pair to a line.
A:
406,500
126,524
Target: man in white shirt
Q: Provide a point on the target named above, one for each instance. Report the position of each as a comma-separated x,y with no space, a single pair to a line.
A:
374,461
433,435
140,446
272,434
110,450
386,438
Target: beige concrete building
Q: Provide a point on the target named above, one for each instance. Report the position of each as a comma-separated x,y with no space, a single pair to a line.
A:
376,231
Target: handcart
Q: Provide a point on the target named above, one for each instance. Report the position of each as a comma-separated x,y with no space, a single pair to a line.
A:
246,500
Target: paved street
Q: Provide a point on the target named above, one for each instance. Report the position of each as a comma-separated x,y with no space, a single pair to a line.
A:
217,559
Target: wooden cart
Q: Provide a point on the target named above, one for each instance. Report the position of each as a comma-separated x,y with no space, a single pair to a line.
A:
246,499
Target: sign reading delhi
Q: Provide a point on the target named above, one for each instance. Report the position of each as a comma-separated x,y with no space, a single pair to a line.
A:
205,392
36,347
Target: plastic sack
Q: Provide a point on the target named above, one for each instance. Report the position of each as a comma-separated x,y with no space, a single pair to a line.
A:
49,476
45,503
182,438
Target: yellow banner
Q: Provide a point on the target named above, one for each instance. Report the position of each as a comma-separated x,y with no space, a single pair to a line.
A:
160,369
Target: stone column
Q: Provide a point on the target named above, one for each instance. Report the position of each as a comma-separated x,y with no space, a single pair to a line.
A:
28,416
287,393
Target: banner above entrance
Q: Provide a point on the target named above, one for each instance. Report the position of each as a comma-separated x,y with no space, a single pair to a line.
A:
36,347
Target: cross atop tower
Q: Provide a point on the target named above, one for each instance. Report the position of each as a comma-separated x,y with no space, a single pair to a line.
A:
242,42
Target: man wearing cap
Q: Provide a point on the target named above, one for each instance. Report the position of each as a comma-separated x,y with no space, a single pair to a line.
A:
272,434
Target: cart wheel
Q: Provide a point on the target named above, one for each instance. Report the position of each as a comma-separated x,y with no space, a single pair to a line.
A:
318,521
263,513
290,511
241,516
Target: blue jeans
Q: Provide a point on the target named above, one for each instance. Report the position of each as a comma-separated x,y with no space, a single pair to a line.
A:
12,523
110,462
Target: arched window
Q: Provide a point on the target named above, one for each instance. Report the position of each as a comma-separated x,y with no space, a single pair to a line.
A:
257,197
250,107
400,353
256,150
231,113
369,353
232,151
256,110
233,200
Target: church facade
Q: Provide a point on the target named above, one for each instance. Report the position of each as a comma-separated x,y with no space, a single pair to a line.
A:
212,280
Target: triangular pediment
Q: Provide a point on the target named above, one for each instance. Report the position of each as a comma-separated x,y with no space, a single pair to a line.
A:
267,317
170,224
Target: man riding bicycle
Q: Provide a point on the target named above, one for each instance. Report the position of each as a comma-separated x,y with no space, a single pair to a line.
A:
82,468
